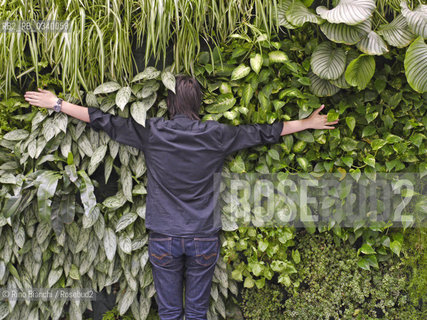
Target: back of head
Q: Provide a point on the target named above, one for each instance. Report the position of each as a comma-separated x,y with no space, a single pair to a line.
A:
187,98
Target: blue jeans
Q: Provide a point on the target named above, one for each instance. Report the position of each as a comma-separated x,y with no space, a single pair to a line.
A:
179,262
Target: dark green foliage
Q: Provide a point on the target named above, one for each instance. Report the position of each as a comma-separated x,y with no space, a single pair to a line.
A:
334,287
265,303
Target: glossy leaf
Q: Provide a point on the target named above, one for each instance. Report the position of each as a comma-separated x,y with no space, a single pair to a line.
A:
298,14
107,87
240,72
343,33
321,87
372,44
360,71
224,103
416,65
122,97
417,19
397,33
327,61
350,12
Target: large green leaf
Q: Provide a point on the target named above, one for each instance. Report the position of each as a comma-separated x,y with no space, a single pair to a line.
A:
139,109
224,103
298,14
417,19
240,72
372,44
348,11
282,7
123,96
360,71
397,33
328,61
168,80
321,87
46,186
416,65
107,87
87,194
343,33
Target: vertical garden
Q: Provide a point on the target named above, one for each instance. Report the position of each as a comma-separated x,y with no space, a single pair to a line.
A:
72,200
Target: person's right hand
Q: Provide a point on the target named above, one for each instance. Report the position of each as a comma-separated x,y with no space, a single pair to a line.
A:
43,98
319,121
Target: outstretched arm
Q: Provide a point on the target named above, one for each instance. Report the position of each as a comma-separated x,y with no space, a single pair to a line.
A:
47,99
314,121
120,129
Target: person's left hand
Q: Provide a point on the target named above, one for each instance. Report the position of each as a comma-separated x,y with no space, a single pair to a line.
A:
320,121
43,98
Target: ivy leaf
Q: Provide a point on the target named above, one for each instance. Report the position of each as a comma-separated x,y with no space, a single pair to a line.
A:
396,246
367,249
351,122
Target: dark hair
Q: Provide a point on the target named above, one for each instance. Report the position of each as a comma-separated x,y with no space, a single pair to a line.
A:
186,99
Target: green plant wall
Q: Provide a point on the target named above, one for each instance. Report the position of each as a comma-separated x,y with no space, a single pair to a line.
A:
55,232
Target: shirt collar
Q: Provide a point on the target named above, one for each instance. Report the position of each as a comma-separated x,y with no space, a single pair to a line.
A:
180,115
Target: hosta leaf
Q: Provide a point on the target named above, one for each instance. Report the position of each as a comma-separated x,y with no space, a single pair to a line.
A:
281,14
348,11
107,87
416,65
256,63
122,97
321,87
397,33
342,33
372,44
168,80
298,14
417,19
148,74
240,72
224,103
327,61
360,71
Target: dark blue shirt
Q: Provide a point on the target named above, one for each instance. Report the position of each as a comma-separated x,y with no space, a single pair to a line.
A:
182,156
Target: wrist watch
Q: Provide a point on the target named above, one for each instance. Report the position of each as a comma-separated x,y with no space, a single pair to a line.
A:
58,105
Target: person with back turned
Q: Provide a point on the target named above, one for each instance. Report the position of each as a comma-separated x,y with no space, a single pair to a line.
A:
182,156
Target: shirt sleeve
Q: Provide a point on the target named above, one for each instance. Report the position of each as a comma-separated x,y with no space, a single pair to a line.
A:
120,129
234,138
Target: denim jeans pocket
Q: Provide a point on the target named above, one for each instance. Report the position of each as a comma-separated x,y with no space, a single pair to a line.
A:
160,250
206,250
